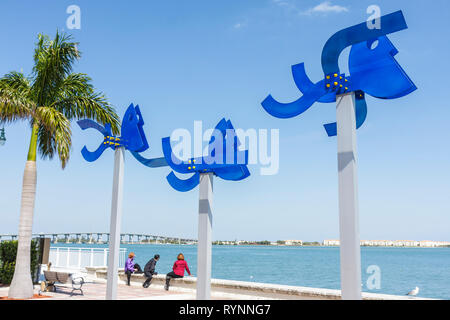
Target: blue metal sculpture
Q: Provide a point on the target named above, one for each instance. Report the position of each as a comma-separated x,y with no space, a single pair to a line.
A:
373,70
223,159
132,138
132,134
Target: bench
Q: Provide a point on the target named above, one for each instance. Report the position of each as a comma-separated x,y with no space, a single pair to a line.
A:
53,277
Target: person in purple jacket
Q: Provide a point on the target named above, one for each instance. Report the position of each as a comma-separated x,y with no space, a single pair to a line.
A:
130,267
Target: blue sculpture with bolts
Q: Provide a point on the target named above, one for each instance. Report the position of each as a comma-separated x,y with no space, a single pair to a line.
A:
132,135
223,159
372,66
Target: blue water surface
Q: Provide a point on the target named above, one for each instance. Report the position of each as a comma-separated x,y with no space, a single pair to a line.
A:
401,269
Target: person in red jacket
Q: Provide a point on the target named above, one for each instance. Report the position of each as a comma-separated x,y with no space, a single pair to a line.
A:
177,270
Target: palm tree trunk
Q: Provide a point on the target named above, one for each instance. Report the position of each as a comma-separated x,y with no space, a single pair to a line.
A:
22,284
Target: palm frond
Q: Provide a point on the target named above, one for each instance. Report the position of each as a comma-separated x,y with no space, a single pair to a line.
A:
53,96
54,136
54,61
15,98
75,84
76,99
16,80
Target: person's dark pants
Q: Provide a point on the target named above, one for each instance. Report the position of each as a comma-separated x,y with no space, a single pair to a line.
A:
129,272
138,267
169,276
149,278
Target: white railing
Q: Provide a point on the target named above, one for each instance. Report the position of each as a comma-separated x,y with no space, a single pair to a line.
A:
79,258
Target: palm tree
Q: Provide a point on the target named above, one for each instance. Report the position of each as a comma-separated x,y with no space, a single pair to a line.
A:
49,98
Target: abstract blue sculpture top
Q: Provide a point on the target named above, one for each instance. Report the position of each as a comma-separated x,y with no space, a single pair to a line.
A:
372,66
223,159
132,134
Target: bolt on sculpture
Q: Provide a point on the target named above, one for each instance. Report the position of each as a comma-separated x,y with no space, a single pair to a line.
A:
224,160
132,139
373,70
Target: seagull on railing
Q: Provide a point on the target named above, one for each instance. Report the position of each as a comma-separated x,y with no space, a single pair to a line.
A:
413,292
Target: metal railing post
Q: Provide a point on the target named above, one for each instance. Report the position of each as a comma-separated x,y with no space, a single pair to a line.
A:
91,260
68,257
57,257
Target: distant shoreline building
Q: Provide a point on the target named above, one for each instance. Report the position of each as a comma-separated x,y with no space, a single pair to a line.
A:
393,243
263,242
293,242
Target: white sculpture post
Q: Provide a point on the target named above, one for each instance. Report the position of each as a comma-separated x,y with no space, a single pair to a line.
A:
204,236
350,254
114,229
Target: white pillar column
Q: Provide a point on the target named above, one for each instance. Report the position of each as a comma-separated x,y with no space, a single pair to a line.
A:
68,258
57,258
350,254
116,219
204,236
91,258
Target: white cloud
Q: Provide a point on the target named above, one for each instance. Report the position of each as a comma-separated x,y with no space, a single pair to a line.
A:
326,7
240,24
286,5
322,8
280,2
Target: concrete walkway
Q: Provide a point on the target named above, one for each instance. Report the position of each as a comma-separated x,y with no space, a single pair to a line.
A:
97,291
185,289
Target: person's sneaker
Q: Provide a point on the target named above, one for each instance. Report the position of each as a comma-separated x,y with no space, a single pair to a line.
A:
166,287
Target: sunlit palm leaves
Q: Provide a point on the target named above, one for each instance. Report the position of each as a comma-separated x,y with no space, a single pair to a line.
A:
53,95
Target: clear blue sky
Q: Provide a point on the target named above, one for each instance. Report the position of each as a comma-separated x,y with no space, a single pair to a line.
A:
203,60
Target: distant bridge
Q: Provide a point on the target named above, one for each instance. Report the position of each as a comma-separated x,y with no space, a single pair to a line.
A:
103,237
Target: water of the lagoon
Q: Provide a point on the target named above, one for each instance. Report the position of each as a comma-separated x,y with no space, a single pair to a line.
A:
402,269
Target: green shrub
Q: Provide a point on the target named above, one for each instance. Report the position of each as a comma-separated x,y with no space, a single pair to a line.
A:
8,252
7,272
